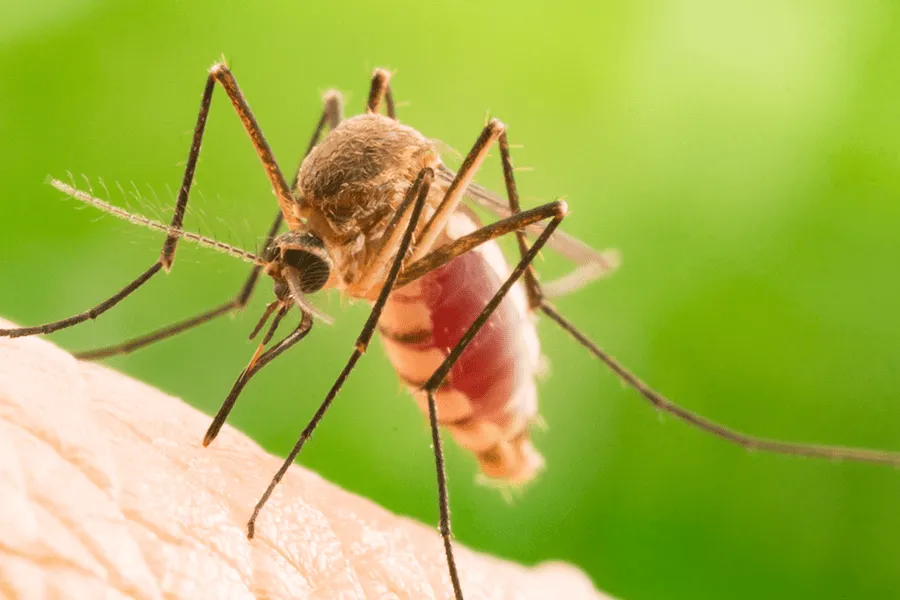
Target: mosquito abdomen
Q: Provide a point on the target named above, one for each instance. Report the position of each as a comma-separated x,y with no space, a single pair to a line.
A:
489,398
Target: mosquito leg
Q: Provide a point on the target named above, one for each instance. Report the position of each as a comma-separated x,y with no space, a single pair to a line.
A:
538,301
381,88
434,382
252,369
332,112
167,255
749,442
516,222
158,335
531,285
221,74
332,115
419,190
446,253
449,251
509,178
443,495
93,313
457,188
590,264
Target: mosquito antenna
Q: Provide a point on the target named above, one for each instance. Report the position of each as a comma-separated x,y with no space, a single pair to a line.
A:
72,191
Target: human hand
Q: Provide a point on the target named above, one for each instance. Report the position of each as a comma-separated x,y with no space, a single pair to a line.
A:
106,492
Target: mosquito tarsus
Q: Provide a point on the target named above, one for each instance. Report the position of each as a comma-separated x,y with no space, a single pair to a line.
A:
371,221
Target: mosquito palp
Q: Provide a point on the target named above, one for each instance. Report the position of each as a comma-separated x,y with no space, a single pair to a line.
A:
270,308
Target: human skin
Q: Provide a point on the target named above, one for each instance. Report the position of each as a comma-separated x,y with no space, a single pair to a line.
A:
106,492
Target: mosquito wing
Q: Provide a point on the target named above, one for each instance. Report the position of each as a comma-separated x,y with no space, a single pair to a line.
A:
591,264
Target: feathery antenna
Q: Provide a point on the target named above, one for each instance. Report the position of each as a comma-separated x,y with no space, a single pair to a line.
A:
82,196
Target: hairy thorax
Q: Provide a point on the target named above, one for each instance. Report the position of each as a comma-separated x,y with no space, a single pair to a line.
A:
351,184
359,174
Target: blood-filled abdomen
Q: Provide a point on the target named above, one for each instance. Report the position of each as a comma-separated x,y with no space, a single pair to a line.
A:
489,398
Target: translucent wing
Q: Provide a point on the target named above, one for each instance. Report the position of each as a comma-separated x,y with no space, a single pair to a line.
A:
591,264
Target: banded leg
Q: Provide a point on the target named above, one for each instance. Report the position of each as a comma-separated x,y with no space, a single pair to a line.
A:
419,190
331,117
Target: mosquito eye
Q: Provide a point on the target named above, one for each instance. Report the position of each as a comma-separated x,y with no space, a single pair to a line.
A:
314,270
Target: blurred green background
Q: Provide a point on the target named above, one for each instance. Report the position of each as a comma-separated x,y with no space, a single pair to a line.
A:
744,156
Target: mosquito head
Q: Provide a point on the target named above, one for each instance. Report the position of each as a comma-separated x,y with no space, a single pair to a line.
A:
302,261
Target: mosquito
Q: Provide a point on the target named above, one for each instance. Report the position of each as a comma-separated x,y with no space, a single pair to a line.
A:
373,212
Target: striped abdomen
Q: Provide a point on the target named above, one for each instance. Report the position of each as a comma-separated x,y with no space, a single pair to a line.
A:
489,398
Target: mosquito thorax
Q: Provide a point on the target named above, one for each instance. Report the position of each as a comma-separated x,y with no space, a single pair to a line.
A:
355,179
302,257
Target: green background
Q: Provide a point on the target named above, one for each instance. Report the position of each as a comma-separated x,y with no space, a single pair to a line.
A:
744,156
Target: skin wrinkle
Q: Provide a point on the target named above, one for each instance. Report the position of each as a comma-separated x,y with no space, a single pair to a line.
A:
400,547
46,514
50,561
12,479
370,581
354,578
100,559
94,475
60,583
316,527
6,588
176,458
66,442
245,575
258,583
54,562
197,543
96,548
433,580
113,465
371,548
31,507
173,538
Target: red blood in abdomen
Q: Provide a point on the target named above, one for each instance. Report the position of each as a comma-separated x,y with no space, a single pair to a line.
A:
491,368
